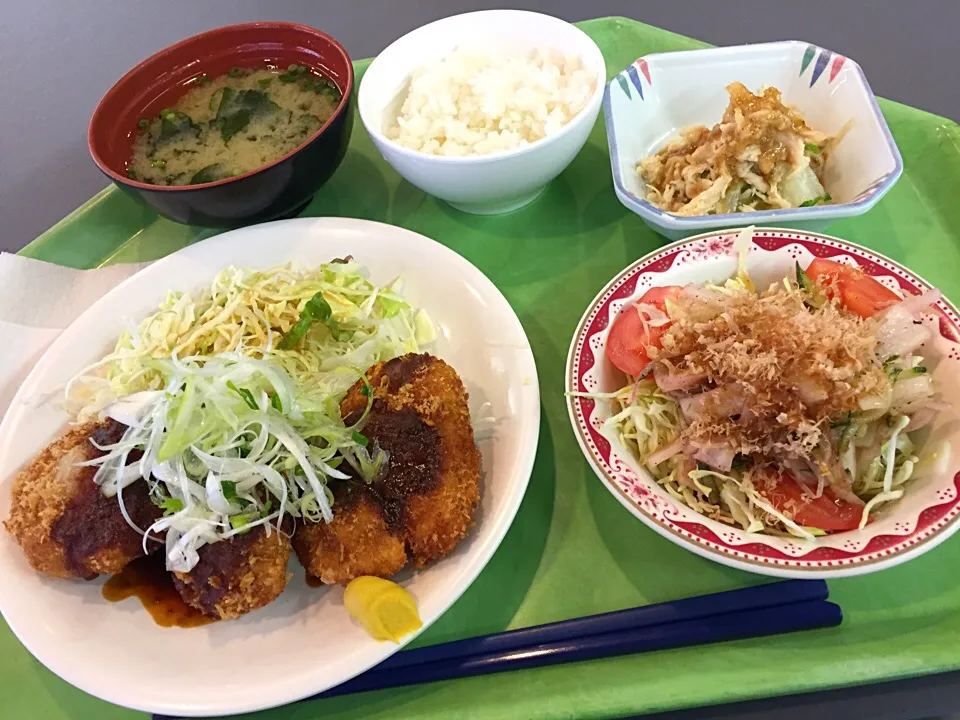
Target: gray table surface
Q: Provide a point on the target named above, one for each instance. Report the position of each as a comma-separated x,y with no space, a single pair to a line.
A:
57,59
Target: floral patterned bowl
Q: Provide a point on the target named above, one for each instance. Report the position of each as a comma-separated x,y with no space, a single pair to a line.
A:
928,513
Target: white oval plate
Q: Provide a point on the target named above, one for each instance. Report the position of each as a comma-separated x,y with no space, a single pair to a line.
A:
928,513
304,642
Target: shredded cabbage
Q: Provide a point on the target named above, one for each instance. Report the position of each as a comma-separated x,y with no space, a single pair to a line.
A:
802,186
649,419
246,311
879,457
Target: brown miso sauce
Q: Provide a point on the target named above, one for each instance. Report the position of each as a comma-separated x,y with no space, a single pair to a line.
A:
313,581
147,580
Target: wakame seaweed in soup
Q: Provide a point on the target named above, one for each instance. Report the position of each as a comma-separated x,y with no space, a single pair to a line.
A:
231,124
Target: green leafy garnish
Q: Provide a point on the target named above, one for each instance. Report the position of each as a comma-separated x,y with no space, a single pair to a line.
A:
846,435
170,505
812,149
817,298
216,97
182,432
294,72
208,174
360,438
322,86
316,310
371,463
245,394
158,164
263,82
276,403
237,108
174,125
229,489
243,519
307,125
366,390
848,429
142,123
825,198
890,367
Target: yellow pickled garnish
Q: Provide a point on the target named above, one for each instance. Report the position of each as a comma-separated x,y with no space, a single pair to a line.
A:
386,610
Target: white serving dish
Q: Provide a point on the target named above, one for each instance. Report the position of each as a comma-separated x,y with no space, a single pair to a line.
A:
927,514
647,104
483,184
304,642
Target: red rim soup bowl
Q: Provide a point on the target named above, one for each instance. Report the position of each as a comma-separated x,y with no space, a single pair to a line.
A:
278,189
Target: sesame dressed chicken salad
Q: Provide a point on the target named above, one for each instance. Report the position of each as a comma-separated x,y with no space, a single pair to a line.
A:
788,410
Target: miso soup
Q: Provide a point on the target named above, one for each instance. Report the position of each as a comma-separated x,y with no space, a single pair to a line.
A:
231,124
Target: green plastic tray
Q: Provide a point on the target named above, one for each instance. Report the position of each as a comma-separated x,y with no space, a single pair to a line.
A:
572,549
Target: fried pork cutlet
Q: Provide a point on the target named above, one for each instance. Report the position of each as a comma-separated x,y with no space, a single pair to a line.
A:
237,575
423,503
61,519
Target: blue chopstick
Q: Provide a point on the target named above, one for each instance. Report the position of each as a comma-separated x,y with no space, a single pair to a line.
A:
773,608
750,598
731,626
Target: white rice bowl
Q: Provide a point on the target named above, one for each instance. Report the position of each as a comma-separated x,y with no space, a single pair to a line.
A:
478,102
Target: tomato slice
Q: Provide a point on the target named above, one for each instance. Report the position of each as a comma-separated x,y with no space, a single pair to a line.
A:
859,293
827,512
628,340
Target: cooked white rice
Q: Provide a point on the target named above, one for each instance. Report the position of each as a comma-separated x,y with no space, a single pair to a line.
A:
476,102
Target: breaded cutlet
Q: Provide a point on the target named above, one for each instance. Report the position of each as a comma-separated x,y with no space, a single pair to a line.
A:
358,541
424,502
238,575
61,519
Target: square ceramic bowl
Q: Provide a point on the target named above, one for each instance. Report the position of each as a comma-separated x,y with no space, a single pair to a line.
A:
648,103
479,184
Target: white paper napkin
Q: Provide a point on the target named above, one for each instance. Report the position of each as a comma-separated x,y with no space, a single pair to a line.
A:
38,300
